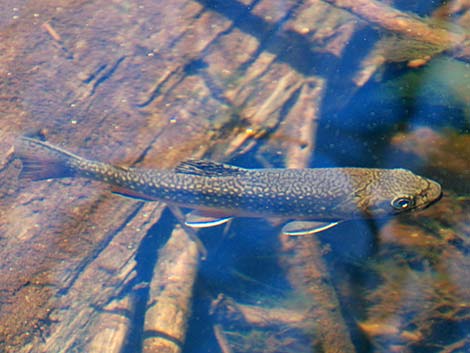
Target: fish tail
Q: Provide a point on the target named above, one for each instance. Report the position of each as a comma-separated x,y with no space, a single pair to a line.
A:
42,160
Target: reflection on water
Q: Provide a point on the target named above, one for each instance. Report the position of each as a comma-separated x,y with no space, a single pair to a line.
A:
272,83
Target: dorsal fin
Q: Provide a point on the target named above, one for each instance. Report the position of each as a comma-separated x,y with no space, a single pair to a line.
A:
208,168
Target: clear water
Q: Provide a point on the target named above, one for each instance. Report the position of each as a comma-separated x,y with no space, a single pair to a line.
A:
401,284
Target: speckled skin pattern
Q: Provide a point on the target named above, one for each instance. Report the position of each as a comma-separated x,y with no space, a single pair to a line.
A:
315,194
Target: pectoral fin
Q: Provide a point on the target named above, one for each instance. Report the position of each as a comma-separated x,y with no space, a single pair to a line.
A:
306,227
198,219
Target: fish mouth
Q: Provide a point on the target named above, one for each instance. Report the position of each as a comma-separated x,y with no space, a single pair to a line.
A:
433,193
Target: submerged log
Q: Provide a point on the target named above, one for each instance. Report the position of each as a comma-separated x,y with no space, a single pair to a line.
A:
227,310
307,272
398,22
169,302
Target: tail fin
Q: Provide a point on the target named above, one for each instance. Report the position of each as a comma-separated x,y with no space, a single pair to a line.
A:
42,160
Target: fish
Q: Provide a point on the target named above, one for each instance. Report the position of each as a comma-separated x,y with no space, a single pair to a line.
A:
306,201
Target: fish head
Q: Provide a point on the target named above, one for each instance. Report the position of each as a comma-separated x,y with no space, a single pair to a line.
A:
397,191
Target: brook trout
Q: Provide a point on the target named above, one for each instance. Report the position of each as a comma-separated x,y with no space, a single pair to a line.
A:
309,200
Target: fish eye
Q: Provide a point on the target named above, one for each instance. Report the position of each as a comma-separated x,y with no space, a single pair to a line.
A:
402,203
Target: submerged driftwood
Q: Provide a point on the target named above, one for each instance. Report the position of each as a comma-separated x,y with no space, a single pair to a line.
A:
169,303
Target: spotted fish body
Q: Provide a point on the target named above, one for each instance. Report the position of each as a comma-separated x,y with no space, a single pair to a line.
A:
221,190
